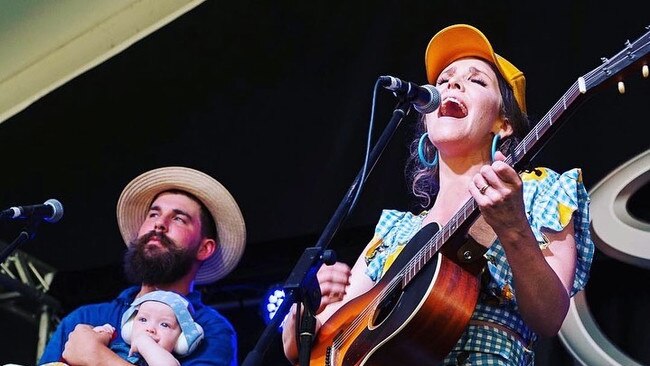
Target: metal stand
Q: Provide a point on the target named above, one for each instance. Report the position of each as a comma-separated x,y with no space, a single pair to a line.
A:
302,285
24,277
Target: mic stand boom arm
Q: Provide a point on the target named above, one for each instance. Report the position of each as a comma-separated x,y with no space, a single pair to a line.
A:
302,285
26,233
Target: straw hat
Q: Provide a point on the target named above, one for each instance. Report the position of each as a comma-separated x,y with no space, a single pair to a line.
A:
137,196
462,40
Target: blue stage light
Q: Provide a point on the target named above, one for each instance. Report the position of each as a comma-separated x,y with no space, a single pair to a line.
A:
271,302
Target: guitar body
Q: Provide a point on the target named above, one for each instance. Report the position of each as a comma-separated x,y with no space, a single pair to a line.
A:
396,324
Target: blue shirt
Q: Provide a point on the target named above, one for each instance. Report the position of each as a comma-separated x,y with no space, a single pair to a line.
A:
219,347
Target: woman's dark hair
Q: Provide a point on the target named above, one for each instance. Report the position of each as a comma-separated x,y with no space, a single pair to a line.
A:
424,181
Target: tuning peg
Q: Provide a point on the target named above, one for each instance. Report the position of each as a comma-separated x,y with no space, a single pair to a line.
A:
621,87
644,71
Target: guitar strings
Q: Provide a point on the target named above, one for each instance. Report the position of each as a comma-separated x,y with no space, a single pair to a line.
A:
399,278
340,339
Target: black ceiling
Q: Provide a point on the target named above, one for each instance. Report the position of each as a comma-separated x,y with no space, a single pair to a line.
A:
273,99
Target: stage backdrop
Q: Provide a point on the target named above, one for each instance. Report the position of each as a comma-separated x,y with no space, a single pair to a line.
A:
274,100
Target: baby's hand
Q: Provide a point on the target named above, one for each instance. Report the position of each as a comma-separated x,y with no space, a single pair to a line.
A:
140,341
106,328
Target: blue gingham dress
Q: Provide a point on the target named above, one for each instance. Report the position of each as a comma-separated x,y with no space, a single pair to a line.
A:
551,200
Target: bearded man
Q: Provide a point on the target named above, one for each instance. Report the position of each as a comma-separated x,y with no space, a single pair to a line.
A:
182,228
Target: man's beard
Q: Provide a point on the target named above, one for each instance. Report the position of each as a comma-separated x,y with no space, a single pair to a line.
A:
156,265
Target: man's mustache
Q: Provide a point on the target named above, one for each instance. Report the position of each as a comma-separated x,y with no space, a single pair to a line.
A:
164,239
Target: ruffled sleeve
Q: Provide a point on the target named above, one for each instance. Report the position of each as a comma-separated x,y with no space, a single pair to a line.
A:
551,200
393,231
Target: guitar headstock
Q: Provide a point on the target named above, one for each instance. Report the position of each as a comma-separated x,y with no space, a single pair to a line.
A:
635,56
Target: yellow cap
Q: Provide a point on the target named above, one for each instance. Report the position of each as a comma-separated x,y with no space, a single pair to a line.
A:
462,40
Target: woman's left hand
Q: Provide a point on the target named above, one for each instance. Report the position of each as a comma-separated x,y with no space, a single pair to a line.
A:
497,189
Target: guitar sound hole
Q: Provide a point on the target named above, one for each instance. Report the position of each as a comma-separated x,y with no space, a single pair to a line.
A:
386,306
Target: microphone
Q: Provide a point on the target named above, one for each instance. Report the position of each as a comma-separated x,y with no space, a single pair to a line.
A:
425,99
50,211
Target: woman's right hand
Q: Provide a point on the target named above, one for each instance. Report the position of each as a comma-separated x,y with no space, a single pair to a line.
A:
333,281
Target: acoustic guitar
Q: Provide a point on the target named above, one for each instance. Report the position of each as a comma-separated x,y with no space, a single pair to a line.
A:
420,307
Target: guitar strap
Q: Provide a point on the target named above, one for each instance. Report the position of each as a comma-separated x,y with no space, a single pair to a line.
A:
469,255
482,233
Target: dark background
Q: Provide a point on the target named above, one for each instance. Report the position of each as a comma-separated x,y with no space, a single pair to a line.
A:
273,99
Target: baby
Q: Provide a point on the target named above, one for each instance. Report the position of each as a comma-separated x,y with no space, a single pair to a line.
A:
157,326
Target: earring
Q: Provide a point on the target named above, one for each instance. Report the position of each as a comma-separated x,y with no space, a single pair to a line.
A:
421,154
495,141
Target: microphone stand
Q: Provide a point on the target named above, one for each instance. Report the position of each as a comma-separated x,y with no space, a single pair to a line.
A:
28,232
301,286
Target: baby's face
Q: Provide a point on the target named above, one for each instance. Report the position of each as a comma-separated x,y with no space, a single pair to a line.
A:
158,321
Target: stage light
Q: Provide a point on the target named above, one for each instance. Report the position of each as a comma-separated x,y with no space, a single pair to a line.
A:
271,302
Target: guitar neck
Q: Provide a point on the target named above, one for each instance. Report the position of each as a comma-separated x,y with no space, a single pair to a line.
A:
544,129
